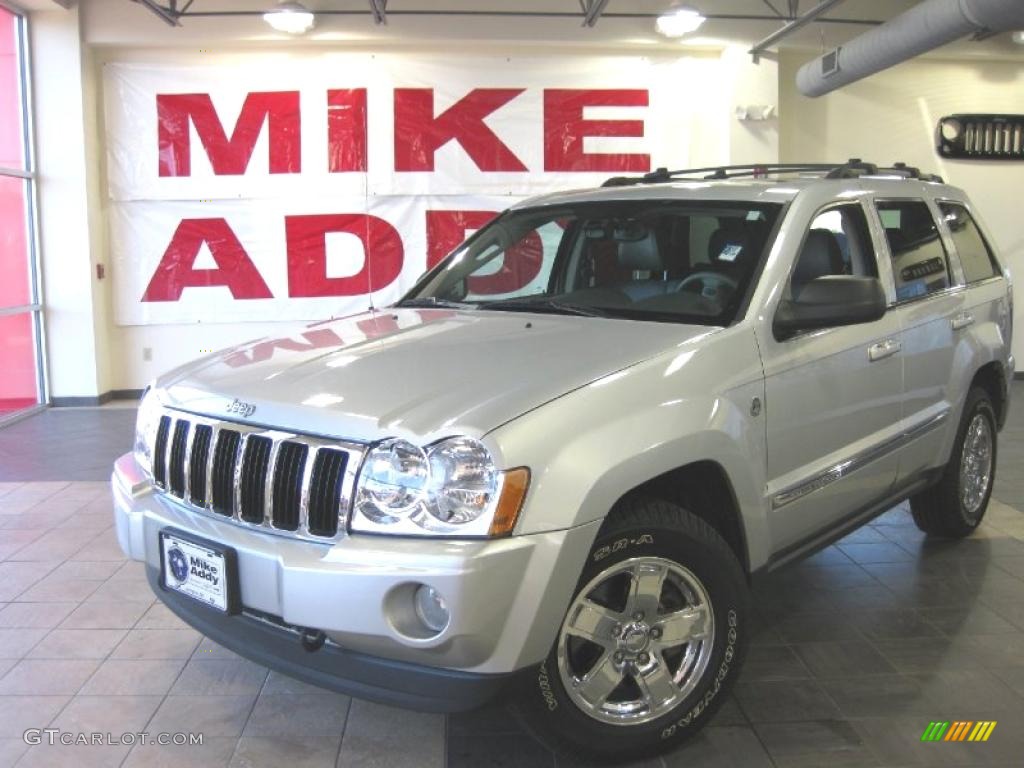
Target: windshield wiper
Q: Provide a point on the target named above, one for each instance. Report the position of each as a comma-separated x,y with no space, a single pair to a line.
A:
552,306
434,301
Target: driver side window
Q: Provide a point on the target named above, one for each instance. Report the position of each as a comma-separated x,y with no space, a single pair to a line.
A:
838,242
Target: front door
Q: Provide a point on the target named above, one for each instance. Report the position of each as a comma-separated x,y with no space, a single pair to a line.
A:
833,396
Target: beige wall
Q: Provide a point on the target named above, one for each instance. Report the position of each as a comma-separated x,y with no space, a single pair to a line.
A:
892,116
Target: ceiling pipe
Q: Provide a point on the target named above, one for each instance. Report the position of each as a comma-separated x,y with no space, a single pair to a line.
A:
793,26
924,27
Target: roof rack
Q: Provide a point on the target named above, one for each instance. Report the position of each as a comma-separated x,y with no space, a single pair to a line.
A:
853,168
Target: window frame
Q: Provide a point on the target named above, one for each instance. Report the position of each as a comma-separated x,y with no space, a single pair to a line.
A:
28,176
954,278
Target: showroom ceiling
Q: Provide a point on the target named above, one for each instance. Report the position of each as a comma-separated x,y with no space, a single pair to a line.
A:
621,24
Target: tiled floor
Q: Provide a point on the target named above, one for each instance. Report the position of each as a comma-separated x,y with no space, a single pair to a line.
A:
855,650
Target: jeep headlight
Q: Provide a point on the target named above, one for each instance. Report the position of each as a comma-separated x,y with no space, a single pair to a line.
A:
145,429
450,488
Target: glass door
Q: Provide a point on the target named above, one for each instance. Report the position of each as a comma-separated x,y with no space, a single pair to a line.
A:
22,383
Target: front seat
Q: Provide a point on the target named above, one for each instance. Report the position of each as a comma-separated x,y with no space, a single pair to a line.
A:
642,255
819,257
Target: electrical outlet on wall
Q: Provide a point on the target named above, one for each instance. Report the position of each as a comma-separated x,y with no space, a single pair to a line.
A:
147,354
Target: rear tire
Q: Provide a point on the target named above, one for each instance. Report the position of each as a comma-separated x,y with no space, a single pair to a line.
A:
955,506
651,643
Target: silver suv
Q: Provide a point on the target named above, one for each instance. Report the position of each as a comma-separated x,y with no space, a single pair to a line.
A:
552,469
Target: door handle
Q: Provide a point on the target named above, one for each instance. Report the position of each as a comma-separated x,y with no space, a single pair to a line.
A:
883,349
962,320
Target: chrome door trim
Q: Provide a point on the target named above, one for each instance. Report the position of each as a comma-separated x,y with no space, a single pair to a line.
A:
847,467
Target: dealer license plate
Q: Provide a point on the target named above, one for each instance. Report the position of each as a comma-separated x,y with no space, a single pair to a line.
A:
199,569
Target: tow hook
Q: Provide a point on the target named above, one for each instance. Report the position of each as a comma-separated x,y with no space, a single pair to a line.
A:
312,639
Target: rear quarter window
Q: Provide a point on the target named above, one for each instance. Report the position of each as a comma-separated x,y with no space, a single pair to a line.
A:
976,258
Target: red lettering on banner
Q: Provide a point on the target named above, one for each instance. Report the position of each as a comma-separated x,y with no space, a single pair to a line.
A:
565,129
264,350
346,130
419,134
520,264
235,269
307,254
280,110
447,229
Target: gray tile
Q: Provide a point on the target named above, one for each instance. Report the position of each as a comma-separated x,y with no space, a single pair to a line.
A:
58,590
131,677
213,716
206,677
103,616
468,749
879,695
278,683
893,624
875,552
123,590
107,714
773,663
833,659
159,616
210,650
965,620
785,701
818,627
212,753
34,615
10,751
261,752
16,577
157,644
15,643
927,655
18,713
77,644
47,677
714,747
372,741
815,743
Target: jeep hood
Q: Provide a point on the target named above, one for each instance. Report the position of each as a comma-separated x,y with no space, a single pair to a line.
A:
413,373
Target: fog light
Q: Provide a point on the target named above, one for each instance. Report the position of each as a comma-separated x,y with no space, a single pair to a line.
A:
431,608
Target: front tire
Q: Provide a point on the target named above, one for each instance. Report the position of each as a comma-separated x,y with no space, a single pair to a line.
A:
652,640
955,506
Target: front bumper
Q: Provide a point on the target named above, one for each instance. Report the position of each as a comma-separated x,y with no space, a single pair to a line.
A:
507,597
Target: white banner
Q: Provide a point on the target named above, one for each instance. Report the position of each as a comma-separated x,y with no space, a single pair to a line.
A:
279,187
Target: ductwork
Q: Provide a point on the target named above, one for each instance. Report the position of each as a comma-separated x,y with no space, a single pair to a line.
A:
925,26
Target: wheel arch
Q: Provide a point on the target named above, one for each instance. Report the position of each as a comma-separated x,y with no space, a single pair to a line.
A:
992,378
703,488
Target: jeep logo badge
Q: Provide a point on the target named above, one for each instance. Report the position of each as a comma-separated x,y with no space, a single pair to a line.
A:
242,409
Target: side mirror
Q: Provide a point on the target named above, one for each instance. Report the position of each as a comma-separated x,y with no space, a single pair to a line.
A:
830,301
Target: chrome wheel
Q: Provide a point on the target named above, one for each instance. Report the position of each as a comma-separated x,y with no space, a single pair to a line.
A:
636,641
976,464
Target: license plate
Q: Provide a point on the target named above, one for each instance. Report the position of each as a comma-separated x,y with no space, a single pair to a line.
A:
198,568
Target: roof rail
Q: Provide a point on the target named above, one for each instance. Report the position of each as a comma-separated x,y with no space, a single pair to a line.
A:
852,168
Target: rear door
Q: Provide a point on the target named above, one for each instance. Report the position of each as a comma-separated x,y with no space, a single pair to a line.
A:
930,309
833,396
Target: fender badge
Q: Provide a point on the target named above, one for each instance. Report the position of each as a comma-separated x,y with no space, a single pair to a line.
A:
245,410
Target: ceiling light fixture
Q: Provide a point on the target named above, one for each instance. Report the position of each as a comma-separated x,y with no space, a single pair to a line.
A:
291,17
679,20
1018,37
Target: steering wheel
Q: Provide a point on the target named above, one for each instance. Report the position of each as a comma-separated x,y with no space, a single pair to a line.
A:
708,280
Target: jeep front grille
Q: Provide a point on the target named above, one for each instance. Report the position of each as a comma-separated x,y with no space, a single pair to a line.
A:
281,482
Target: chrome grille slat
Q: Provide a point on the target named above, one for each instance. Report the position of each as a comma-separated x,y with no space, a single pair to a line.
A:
268,483
304,485
236,508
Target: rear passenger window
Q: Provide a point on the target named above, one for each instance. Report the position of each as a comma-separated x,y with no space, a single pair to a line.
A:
919,261
975,256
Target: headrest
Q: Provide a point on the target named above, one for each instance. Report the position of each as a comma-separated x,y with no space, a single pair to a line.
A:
730,245
820,256
641,255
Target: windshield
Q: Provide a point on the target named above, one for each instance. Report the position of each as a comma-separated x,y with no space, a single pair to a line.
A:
675,261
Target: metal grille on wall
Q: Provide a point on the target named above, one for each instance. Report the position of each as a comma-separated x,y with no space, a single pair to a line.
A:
981,137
